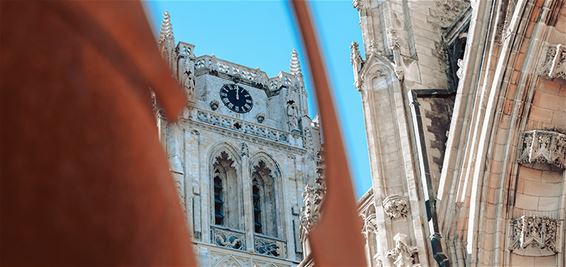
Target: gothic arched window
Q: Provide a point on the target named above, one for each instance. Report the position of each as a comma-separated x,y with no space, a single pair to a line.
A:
264,200
226,193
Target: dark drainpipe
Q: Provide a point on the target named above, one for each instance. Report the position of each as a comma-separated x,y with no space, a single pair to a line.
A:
430,200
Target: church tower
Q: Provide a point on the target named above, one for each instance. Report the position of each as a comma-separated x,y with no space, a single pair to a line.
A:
241,155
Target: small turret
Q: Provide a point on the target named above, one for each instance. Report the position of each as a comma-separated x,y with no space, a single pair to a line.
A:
295,66
166,42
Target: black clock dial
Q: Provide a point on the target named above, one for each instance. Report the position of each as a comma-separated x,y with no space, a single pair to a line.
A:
236,98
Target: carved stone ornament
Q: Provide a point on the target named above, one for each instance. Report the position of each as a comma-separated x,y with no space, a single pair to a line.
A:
534,235
189,79
402,253
553,63
396,207
292,116
370,224
245,151
447,11
543,150
214,105
260,117
358,4
313,198
357,63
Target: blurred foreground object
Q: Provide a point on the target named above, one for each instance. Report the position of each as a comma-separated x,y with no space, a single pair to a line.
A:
84,179
336,240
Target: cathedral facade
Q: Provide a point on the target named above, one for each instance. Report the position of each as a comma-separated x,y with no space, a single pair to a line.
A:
241,155
465,110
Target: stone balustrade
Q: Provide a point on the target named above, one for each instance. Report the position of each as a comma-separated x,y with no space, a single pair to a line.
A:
229,238
270,246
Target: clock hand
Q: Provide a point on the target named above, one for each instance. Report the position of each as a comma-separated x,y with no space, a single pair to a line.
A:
237,93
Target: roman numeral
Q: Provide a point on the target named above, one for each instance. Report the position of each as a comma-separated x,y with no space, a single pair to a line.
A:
247,106
225,100
249,101
230,105
223,94
237,108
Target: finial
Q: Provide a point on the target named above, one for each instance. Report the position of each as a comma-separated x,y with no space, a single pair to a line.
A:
295,65
354,52
166,33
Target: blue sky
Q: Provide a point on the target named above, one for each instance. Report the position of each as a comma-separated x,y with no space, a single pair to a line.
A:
262,34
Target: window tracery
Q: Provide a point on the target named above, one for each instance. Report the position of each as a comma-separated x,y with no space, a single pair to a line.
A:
264,201
226,192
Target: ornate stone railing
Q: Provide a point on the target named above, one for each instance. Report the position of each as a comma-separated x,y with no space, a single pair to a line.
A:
543,149
270,246
253,76
553,64
233,124
229,238
534,235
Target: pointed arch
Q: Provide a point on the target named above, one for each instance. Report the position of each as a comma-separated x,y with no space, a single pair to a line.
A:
226,187
266,194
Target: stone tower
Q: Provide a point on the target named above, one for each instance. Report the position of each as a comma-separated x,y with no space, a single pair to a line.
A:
241,155
465,109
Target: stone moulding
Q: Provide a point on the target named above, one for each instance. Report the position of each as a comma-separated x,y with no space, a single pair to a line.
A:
396,207
534,235
543,150
553,64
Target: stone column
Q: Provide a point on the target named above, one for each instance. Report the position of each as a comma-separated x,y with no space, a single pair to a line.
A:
192,183
245,170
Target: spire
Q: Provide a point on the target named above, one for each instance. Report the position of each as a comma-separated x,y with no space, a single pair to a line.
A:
295,65
166,38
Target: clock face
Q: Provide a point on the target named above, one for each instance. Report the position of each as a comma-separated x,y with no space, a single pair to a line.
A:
236,98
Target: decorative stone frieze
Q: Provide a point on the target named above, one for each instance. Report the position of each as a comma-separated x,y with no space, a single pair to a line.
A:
246,127
396,207
553,64
402,253
228,238
534,235
270,246
543,149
